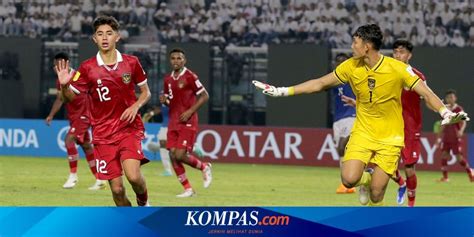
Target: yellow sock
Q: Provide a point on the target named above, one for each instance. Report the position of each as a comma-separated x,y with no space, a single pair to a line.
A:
378,204
365,179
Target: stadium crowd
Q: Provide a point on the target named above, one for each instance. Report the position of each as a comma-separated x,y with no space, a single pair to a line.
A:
439,23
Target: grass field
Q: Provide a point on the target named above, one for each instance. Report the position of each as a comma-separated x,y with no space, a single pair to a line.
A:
26,181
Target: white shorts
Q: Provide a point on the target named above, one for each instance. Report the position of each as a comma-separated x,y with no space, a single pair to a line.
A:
162,133
342,128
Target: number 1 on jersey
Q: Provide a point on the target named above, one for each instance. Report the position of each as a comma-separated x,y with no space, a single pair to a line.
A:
370,100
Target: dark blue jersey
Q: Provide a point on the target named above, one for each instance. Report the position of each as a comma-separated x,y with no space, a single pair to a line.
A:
340,110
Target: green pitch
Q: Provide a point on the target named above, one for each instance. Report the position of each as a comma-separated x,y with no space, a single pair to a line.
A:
26,181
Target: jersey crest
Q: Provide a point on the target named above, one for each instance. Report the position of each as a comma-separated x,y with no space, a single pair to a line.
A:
126,78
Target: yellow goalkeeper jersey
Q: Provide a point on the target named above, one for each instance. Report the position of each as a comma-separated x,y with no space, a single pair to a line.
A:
378,97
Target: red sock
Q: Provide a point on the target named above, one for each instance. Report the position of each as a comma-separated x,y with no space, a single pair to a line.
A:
91,160
399,179
444,168
464,164
411,186
72,156
142,199
194,162
181,173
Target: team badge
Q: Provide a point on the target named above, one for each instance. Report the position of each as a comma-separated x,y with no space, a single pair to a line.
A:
371,83
126,78
180,84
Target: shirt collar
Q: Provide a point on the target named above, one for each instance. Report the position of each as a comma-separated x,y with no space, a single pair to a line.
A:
100,62
180,74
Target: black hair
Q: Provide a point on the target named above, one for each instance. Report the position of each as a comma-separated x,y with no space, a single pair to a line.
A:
370,33
403,43
450,91
61,55
177,50
106,20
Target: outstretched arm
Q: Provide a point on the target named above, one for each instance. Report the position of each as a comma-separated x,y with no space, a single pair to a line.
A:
434,102
307,87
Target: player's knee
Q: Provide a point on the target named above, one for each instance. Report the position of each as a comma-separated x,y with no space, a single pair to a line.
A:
118,191
349,180
180,156
376,195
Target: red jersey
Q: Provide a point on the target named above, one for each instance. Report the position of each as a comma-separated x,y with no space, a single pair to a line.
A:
450,132
181,91
412,110
111,89
78,108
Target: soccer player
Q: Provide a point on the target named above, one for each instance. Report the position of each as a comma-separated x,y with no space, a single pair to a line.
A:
344,117
109,79
402,51
451,138
79,123
184,94
377,135
162,137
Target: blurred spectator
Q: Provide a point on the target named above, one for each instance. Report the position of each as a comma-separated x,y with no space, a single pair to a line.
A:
457,40
246,22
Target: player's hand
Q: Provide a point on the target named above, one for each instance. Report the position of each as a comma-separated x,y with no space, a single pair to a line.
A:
184,117
271,90
348,101
164,99
62,70
48,120
459,134
129,114
452,118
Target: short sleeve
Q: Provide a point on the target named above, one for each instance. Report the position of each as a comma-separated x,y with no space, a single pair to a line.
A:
343,71
139,75
410,79
79,81
196,85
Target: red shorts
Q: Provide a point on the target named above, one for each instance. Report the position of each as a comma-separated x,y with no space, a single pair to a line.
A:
411,152
109,157
79,128
452,146
181,139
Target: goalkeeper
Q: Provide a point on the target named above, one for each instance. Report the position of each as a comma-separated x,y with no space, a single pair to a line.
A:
377,135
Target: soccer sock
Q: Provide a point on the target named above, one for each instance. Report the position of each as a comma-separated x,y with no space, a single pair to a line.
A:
165,159
72,156
465,165
399,179
411,186
142,198
365,179
373,204
194,162
91,160
444,168
181,174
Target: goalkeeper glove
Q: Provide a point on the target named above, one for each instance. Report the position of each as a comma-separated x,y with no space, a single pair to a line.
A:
274,91
452,118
